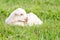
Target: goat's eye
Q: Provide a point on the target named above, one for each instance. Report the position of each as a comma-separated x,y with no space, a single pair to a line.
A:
21,14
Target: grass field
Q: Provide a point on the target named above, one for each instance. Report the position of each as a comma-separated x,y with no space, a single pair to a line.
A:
47,10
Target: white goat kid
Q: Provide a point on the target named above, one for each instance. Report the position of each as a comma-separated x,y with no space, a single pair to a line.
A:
17,17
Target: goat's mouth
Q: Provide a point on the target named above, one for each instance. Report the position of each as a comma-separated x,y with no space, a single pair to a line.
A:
24,21
20,21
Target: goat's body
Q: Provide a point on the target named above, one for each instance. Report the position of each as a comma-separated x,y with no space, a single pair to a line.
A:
33,19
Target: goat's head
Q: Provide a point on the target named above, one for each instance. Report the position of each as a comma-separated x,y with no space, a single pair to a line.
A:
18,15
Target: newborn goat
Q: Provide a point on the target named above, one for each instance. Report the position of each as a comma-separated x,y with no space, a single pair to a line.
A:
19,17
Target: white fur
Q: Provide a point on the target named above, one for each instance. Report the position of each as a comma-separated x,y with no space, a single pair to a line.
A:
32,18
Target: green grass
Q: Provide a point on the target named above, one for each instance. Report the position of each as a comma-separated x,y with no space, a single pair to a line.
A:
47,10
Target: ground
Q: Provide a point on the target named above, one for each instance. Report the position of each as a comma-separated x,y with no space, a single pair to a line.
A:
47,10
